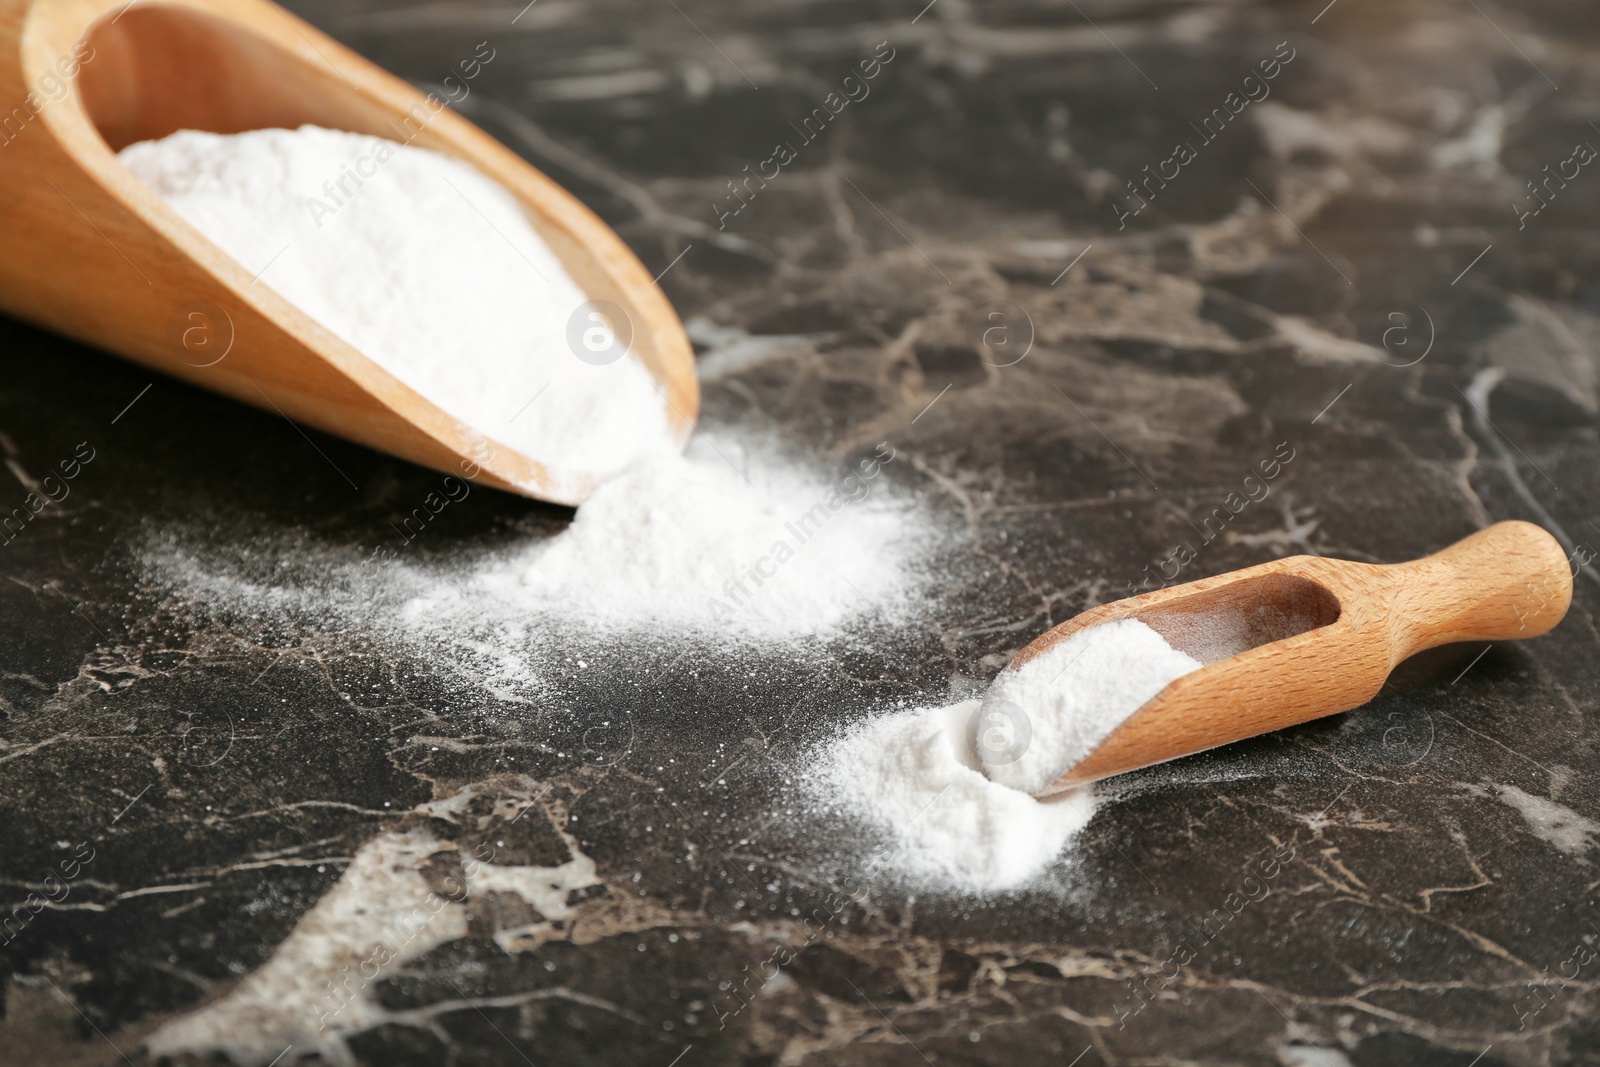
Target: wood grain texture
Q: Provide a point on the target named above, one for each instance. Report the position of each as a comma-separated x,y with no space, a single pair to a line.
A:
1303,637
91,253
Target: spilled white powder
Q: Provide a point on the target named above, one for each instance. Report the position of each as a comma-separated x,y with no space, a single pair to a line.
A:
432,271
660,550
1070,698
915,777
950,787
718,539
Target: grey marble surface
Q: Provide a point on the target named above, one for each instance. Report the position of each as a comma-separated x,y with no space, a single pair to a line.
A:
1350,264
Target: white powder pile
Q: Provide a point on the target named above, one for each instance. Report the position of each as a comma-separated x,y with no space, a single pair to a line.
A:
1042,718
719,539
722,541
950,787
732,546
916,778
429,269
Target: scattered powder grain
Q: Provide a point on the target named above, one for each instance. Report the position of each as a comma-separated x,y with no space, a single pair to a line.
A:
1071,698
428,268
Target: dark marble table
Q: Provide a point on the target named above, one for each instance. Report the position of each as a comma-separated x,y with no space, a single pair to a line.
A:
1344,257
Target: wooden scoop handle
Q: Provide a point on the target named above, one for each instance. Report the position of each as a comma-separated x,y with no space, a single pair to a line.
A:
1509,581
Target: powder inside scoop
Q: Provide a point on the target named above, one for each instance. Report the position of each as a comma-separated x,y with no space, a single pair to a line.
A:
1041,719
431,270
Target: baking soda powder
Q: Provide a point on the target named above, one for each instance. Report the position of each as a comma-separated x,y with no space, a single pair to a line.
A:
917,779
432,271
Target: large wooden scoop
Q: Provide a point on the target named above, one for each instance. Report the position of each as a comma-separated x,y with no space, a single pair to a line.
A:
1303,637
88,251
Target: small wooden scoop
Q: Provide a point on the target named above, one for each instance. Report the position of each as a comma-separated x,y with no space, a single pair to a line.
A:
87,250
1303,637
